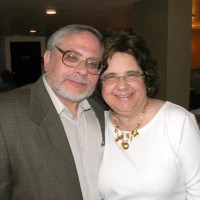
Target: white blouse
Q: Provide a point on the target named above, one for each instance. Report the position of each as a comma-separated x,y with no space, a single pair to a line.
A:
163,163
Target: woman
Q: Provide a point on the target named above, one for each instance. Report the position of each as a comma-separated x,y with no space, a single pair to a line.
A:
152,149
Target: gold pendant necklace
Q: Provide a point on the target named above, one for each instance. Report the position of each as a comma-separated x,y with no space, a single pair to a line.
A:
126,137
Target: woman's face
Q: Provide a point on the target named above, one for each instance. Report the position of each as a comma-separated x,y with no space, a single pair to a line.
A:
124,95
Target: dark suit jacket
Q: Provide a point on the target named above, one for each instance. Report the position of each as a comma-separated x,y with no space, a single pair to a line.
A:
36,161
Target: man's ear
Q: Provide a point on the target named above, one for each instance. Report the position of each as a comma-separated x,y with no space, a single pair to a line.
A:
47,59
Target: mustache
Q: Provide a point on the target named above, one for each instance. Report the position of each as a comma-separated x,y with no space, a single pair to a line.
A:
75,78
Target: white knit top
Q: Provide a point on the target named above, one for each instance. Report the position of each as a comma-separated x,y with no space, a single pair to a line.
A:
163,163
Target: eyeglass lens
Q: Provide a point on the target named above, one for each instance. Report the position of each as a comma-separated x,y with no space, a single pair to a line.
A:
71,58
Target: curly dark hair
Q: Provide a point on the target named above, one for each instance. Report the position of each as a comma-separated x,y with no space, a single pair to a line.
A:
127,41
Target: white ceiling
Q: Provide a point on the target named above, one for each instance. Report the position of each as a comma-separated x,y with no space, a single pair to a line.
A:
18,16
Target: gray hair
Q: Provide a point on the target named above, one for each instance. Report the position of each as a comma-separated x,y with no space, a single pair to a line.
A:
57,37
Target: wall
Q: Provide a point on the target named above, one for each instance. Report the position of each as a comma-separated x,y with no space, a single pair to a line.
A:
2,53
179,51
195,48
166,26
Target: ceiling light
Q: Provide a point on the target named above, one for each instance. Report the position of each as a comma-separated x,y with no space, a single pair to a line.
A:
32,30
51,11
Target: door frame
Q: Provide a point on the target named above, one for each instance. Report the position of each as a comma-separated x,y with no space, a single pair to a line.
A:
10,39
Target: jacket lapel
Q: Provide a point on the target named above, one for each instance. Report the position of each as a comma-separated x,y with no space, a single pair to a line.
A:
52,139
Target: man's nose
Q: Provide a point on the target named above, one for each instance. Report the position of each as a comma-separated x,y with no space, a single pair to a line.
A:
81,67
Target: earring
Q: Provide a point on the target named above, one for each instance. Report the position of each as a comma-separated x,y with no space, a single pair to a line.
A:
148,90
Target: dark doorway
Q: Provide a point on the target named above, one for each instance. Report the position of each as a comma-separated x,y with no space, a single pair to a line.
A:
25,62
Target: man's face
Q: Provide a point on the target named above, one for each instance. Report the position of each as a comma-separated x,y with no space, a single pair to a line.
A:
73,83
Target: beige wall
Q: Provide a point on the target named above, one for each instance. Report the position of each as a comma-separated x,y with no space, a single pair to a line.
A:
166,26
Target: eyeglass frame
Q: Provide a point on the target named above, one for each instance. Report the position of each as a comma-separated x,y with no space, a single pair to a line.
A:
115,78
83,59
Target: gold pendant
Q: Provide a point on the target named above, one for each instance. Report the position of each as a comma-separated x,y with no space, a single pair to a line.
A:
125,145
134,133
127,137
119,137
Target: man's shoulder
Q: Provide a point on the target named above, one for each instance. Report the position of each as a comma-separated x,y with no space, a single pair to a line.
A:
16,102
17,97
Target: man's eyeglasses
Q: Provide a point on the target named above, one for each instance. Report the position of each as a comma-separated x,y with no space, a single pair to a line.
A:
112,78
72,59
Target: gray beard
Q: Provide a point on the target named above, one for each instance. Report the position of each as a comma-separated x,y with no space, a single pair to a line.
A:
60,91
72,97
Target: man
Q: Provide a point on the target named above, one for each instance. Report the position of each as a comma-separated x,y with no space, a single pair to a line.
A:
50,135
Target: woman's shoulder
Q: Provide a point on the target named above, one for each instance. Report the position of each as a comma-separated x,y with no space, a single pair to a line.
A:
170,106
170,109
157,104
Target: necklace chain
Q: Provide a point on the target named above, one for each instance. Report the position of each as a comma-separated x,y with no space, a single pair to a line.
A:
126,137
